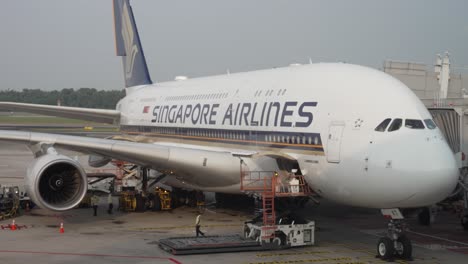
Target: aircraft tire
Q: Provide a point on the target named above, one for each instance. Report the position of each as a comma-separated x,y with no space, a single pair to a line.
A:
280,239
150,203
276,242
246,231
464,222
156,203
140,203
175,198
424,217
404,248
385,248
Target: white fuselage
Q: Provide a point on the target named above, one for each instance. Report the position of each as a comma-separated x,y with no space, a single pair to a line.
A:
322,115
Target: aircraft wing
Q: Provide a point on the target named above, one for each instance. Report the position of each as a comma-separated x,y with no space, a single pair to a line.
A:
89,114
138,153
144,154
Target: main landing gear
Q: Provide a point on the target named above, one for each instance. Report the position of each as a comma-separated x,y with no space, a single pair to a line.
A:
395,243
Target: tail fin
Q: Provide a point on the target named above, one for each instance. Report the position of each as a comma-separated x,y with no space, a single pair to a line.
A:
128,45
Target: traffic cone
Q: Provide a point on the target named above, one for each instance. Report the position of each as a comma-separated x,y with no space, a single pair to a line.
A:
62,230
13,225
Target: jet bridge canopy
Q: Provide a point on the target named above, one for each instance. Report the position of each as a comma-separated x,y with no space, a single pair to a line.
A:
449,122
453,123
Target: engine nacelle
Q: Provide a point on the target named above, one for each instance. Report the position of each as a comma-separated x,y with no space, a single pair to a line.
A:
56,182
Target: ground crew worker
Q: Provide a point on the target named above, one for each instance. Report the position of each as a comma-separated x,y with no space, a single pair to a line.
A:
294,184
94,203
197,226
111,205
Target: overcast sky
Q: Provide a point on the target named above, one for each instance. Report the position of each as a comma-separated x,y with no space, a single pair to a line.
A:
54,44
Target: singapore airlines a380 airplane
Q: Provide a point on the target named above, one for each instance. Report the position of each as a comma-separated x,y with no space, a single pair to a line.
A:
357,135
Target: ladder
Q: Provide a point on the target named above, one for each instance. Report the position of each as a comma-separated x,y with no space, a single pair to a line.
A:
269,185
269,215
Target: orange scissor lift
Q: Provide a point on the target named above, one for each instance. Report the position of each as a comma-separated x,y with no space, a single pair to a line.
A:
270,185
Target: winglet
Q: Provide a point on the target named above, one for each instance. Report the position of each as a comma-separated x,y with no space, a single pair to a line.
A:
128,45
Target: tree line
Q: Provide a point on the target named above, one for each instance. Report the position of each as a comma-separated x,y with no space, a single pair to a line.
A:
83,97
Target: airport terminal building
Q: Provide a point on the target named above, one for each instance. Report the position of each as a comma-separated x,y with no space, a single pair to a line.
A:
439,86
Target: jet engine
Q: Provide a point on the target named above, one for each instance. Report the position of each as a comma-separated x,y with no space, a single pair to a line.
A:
56,182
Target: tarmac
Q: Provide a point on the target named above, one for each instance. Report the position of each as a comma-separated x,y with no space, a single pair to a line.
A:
344,234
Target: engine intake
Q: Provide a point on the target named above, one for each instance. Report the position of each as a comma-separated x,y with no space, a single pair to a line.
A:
56,182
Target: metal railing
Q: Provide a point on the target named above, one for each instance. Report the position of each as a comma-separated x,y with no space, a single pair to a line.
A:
271,181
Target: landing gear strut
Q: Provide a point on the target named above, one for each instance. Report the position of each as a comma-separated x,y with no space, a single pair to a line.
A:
395,243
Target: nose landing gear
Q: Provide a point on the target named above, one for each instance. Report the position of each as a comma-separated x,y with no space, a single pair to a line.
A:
395,243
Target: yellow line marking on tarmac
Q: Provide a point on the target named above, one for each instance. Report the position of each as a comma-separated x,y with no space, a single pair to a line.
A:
401,261
372,260
371,255
263,255
184,227
352,262
345,259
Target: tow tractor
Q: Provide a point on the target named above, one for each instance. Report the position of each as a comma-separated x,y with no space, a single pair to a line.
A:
267,234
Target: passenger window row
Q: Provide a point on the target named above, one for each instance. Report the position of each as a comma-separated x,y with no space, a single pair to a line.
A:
292,139
225,134
409,123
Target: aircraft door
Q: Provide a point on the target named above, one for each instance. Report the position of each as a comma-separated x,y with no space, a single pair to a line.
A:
335,134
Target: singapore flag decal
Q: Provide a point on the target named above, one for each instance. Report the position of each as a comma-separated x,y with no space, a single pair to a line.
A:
146,109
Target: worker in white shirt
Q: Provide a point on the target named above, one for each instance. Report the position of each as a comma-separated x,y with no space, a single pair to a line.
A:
294,184
111,205
94,203
197,226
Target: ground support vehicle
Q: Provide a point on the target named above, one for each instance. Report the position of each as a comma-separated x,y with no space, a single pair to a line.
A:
9,201
208,244
283,232
281,235
266,233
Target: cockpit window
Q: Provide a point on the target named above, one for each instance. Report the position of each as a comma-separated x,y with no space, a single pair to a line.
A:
430,124
396,124
414,124
382,126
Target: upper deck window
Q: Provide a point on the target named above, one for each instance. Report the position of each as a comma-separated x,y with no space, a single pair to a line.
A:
414,124
430,124
396,124
382,126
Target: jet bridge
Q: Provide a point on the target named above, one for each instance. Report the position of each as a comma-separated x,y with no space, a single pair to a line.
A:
453,122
